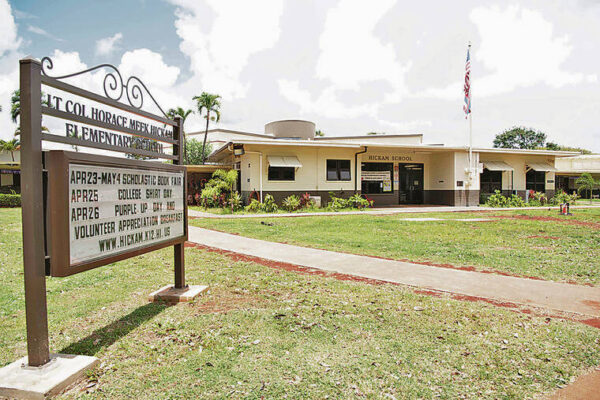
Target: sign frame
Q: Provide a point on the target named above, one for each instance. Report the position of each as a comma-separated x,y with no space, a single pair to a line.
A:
37,219
57,164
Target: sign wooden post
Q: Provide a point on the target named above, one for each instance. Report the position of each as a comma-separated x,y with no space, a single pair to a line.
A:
32,200
82,211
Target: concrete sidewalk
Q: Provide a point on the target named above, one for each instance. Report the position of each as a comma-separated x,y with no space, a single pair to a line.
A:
563,297
376,211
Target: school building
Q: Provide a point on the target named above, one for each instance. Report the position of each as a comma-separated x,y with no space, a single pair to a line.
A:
390,169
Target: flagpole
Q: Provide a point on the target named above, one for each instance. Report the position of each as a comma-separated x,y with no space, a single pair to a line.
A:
470,122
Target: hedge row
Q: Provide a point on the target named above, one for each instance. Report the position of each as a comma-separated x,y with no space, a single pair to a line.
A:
10,200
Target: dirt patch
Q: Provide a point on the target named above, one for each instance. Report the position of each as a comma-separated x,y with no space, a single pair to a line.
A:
225,301
594,225
584,388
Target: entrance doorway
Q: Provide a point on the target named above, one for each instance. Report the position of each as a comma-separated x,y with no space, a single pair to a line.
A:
410,188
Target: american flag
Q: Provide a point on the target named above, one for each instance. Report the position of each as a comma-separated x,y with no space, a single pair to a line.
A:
467,106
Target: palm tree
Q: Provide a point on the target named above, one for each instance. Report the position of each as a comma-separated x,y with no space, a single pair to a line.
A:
15,109
209,103
10,146
586,182
172,113
15,105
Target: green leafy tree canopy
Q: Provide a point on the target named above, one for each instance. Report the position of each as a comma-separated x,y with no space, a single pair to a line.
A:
520,137
194,153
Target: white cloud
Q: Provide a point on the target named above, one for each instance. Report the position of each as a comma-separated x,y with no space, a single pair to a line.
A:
518,48
106,46
9,66
218,54
39,31
149,67
351,53
351,56
8,29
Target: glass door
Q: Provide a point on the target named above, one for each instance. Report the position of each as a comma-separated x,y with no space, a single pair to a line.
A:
410,189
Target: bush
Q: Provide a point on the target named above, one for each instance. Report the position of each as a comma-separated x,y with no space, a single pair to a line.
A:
267,206
254,206
218,191
515,201
357,201
10,200
235,202
562,198
306,201
291,203
537,199
337,203
497,200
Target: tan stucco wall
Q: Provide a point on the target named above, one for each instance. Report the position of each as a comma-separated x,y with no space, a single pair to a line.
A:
311,176
519,162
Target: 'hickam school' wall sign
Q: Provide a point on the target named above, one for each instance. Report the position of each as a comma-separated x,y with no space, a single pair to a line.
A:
83,209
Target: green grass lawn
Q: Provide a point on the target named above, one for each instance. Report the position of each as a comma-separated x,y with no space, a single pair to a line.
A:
265,333
560,251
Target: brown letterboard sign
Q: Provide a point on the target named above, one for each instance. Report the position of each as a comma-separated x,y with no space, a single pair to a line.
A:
105,209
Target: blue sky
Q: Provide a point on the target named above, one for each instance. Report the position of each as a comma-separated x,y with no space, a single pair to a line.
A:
393,67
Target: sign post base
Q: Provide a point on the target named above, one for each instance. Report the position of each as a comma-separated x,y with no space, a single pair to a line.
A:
17,380
170,294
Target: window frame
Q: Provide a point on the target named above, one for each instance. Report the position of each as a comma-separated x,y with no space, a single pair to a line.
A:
491,184
535,182
281,173
338,170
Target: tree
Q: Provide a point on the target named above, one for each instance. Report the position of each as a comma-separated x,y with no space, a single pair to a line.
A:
172,113
10,146
586,183
519,137
208,103
15,109
559,147
319,133
195,152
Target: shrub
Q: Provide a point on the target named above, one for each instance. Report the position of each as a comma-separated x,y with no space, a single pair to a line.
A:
219,190
306,201
291,203
357,201
234,201
254,206
268,204
515,201
537,199
10,200
337,203
562,197
497,200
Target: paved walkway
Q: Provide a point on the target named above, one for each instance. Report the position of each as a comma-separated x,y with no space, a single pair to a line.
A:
376,211
564,297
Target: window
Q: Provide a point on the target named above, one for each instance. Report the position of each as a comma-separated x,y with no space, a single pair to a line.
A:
376,178
338,170
490,181
282,173
535,180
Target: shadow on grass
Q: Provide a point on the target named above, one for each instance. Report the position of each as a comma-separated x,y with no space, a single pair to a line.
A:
109,334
